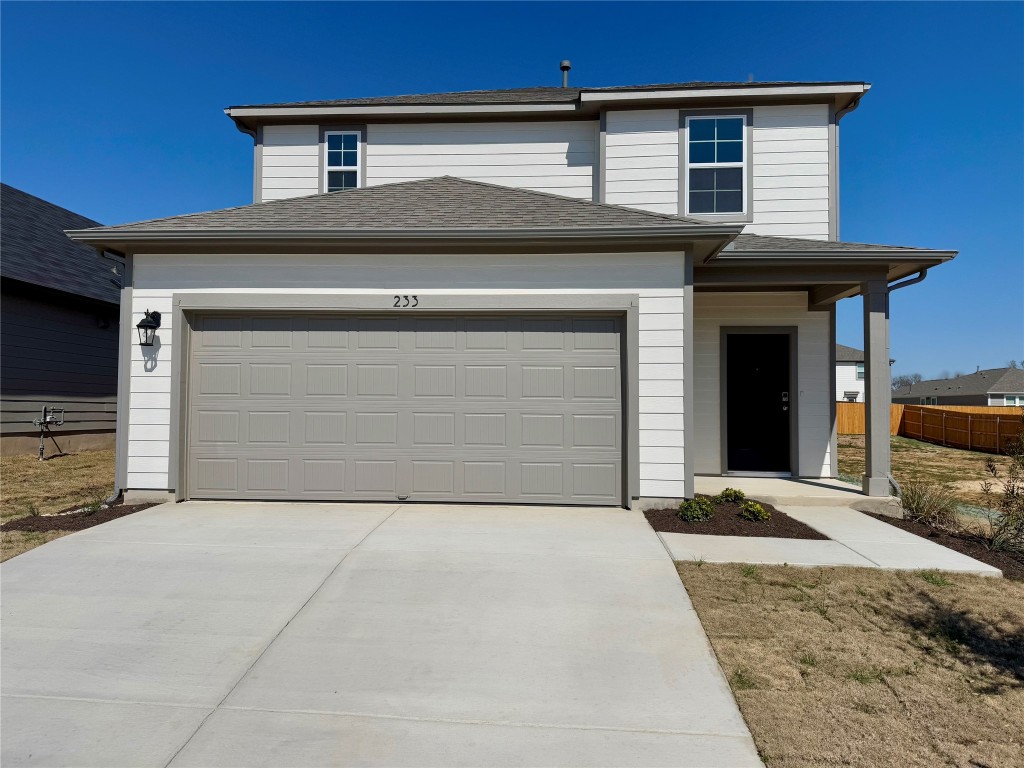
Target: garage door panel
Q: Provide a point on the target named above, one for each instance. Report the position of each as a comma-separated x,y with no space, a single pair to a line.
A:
425,408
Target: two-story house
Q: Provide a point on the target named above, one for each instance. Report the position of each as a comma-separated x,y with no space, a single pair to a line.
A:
551,295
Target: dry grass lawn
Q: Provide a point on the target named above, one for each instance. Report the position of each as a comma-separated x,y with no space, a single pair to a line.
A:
857,667
916,460
29,486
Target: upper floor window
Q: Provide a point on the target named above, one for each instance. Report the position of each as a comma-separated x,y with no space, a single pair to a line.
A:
342,159
1013,399
860,371
715,157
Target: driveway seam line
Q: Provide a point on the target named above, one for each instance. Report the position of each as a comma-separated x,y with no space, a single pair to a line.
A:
473,721
272,640
92,700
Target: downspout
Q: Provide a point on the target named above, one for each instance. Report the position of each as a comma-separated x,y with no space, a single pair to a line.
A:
122,396
918,278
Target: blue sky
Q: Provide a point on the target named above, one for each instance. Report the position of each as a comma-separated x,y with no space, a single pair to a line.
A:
115,111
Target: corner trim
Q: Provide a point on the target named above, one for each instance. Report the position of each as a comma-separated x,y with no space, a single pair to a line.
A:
601,167
689,382
257,172
833,440
748,175
833,175
124,375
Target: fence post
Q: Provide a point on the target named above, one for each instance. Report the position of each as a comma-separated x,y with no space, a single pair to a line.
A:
943,426
969,432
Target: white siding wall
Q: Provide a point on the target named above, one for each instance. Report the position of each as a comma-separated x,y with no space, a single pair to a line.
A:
290,161
814,394
846,381
790,156
657,278
556,157
642,159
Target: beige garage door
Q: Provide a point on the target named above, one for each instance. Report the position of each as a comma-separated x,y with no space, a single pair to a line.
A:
426,408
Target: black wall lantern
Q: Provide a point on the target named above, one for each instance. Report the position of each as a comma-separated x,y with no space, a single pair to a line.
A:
147,328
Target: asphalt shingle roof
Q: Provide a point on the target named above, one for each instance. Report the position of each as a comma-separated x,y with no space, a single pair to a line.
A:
757,244
441,203
995,380
845,354
533,95
35,250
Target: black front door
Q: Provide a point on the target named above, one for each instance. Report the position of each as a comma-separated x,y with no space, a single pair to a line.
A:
757,404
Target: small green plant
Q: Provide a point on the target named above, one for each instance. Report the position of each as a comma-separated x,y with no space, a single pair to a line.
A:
933,504
751,572
1004,529
751,510
741,681
699,562
31,510
730,494
935,578
93,506
696,510
808,660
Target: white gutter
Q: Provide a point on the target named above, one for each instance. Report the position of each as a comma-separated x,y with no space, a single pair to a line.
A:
405,109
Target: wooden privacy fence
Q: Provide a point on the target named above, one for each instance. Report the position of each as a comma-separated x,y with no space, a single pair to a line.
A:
972,427
850,418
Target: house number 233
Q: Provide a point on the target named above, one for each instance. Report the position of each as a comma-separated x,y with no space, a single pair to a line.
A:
406,301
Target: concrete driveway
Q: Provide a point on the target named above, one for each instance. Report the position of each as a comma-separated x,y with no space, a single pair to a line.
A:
231,634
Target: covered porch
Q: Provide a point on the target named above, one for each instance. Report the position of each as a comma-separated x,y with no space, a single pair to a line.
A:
762,351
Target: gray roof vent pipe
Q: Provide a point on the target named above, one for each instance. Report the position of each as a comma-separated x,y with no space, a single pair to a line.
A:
565,66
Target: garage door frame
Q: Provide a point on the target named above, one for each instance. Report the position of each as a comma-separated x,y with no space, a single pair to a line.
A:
186,305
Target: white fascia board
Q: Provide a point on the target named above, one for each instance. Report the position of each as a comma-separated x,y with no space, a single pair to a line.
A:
382,109
593,97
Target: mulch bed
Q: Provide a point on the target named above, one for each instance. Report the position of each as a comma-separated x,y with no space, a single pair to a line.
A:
1010,563
727,522
77,521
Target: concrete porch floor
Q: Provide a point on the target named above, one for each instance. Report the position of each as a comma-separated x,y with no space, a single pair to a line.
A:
809,492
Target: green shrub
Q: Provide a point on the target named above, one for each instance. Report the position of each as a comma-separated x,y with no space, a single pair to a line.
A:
751,510
696,510
730,494
930,503
1005,520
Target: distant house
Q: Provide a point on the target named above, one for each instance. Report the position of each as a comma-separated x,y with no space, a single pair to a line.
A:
993,386
59,315
850,374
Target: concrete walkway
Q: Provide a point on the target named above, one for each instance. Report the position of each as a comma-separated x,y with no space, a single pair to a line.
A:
206,634
856,539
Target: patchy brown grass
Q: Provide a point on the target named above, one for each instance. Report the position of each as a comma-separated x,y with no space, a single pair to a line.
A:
29,486
916,460
858,667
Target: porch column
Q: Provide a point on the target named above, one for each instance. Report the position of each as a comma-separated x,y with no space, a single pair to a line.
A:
878,387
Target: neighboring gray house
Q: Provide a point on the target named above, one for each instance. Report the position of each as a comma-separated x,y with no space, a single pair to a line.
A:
993,386
544,295
849,374
58,328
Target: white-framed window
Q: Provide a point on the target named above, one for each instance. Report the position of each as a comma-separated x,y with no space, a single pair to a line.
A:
716,157
929,401
1013,399
860,371
341,160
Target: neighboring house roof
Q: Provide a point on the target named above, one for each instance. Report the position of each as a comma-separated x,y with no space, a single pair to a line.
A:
845,354
990,380
537,94
36,251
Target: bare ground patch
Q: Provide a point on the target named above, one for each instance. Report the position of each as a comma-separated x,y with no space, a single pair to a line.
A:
858,667
29,487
